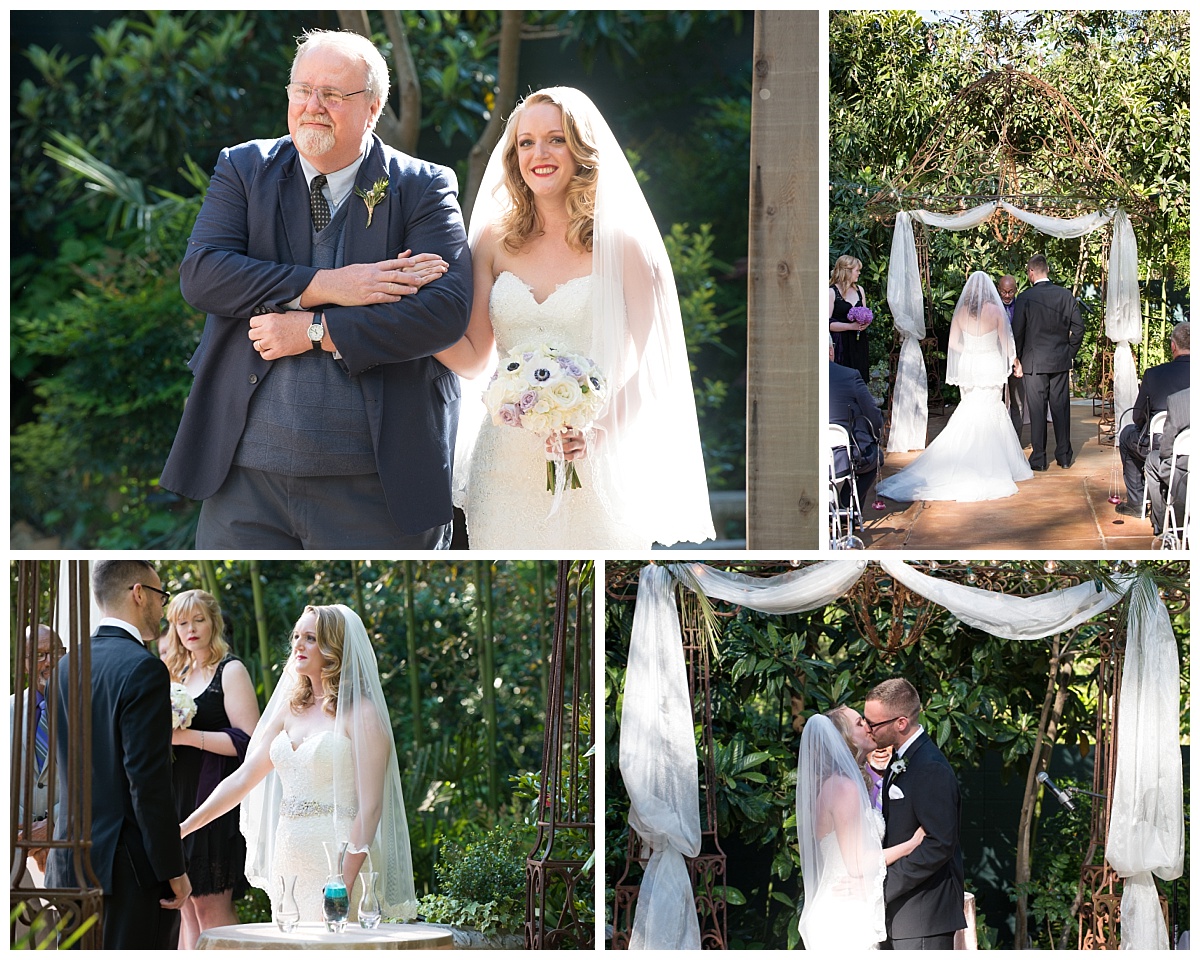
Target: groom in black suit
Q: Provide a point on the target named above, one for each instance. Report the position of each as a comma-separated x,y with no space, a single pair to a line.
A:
1048,331
924,890
136,853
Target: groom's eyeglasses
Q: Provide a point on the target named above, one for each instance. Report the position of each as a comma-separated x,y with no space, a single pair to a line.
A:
166,597
882,723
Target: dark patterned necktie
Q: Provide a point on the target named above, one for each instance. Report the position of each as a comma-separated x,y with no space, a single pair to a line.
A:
316,202
41,733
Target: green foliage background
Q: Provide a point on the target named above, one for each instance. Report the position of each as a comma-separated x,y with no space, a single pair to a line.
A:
982,696
892,74
100,335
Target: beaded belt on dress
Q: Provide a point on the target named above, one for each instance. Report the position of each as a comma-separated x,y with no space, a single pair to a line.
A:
296,808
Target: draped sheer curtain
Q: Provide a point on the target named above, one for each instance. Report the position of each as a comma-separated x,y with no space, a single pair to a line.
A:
1122,325
1146,830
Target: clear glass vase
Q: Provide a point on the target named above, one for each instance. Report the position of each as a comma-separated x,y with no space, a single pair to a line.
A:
369,910
287,911
335,901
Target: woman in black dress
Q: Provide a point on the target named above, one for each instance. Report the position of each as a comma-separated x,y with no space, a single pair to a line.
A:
210,748
851,345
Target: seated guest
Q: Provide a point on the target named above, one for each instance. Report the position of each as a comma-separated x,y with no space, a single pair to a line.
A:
1158,383
852,406
1158,463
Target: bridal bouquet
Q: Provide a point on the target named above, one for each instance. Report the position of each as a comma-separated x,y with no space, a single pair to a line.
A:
183,707
860,315
545,390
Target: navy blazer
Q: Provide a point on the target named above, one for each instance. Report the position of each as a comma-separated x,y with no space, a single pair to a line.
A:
249,254
133,796
1047,328
1159,384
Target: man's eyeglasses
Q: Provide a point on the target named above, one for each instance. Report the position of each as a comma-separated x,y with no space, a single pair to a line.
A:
166,597
881,723
299,93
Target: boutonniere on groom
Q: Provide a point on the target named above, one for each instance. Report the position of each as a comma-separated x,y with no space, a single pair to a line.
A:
899,767
373,197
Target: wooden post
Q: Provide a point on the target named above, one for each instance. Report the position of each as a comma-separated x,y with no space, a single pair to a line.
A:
785,493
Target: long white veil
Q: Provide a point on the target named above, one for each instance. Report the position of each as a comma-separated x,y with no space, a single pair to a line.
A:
844,862
379,825
645,447
979,315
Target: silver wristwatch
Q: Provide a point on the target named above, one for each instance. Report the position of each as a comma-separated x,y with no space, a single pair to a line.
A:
316,330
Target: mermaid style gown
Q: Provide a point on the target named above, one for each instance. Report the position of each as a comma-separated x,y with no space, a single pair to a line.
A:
977,456
506,500
837,920
307,775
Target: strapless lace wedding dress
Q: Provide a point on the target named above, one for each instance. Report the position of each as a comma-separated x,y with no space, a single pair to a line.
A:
307,773
837,920
506,500
977,456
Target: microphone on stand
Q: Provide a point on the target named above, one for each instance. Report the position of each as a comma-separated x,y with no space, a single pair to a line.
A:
1060,795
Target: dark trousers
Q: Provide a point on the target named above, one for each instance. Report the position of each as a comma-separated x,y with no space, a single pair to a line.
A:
133,919
1133,461
1159,472
1053,391
1016,403
255,510
940,941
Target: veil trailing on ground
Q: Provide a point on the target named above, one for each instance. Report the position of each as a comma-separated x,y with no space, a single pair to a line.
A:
645,447
373,799
841,855
979,315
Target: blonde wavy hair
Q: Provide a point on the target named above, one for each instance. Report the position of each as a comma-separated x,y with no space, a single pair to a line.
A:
840,716
522,222
178,658
842,268
331,638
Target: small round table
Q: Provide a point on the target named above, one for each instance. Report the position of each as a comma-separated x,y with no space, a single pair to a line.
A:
314,936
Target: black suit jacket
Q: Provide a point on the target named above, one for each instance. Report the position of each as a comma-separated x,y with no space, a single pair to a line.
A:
1047,328
249,253
924,891
1158,384
1179,417
133,800
852,406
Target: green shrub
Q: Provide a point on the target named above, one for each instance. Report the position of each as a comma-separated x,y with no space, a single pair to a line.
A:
482,883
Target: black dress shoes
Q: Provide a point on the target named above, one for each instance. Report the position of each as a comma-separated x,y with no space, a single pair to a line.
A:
1127,509
1042,469
1068,464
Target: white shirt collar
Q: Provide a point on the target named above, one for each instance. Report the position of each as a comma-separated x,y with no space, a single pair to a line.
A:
1041,280
337,184
123,624
907,743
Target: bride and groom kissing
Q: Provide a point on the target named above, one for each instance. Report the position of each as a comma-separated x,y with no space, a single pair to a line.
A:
888,875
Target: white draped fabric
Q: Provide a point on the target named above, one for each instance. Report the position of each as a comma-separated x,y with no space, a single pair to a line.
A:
1122,322
1145,834
659,766
1146,831
1123,316
910,397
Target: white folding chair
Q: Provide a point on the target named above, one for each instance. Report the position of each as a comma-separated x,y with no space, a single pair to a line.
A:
842,519
1176,530
1158,423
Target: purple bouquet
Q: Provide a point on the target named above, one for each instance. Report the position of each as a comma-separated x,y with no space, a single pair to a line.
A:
860,315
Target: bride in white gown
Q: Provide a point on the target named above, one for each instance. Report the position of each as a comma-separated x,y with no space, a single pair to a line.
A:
842,859
322,766
977,456
566,254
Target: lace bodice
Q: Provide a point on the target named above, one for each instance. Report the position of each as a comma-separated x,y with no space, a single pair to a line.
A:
506,500
308,771
563,319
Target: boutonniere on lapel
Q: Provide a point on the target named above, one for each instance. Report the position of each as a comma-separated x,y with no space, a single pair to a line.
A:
899,767
373,197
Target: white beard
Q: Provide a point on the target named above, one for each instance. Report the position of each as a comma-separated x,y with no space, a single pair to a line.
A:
314,142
